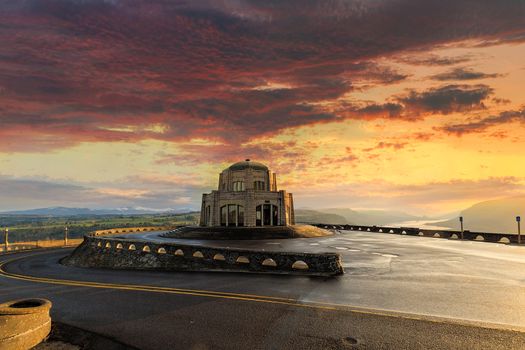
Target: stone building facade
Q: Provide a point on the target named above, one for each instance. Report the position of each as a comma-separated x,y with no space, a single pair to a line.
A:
247,195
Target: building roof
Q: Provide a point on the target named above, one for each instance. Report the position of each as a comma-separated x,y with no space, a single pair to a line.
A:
248,164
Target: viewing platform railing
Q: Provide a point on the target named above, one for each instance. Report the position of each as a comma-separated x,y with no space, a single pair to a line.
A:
414,231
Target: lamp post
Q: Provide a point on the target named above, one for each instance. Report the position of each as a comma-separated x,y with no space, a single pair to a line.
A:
65,235
6,239
461,222
518,219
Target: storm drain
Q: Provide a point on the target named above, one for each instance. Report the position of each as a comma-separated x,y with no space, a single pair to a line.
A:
351,341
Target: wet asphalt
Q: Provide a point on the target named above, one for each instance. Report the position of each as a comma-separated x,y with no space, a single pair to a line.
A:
398,292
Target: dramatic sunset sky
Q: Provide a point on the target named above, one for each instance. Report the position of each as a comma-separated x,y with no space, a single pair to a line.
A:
385,104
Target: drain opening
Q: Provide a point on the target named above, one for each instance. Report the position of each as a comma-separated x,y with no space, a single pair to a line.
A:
351,341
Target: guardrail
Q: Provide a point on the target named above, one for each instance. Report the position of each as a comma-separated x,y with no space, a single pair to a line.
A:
17,246
12,248
43,244
121,253
113,231
414,231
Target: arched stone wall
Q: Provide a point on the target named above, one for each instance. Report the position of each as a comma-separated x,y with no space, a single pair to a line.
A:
179,257
504,238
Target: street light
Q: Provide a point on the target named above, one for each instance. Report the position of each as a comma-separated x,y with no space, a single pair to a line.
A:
518,219
461,222
65,235
6,239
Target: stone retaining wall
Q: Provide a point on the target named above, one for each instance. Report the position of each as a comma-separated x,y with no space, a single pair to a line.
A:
116,253
414,231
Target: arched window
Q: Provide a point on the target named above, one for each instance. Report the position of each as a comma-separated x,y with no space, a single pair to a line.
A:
258,216
238,186
224,215
266,215
275,215
208,216
240,215
232,215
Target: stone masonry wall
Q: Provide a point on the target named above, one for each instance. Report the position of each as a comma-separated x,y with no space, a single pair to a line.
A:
448,234
114,253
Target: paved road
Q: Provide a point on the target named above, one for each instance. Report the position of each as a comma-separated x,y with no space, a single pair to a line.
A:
450,278
474,281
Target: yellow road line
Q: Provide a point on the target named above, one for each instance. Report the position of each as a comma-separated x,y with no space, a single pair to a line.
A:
50,280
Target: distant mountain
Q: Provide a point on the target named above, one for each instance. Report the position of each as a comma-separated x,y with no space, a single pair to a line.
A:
350,216
307,216
371,217
64,211
493,216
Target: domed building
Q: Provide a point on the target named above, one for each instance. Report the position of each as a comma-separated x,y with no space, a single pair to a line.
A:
247,195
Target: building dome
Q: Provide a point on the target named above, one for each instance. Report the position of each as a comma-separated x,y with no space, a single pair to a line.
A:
248,164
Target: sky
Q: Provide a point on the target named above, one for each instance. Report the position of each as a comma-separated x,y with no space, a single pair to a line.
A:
416,106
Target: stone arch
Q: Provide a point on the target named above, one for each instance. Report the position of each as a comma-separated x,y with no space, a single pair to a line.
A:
479,238
132,247
219,257
119,246
436,235
161,250
420,233
146,249
242,260
403,232
99,244
504,240
300,265
454,236
108,245
269,262
198,254
179,252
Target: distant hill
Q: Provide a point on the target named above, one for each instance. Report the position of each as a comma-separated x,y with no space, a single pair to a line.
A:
371,217
313,216
493,216
350,216
64,211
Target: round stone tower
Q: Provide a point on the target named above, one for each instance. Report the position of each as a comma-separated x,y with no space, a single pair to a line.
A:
247,195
